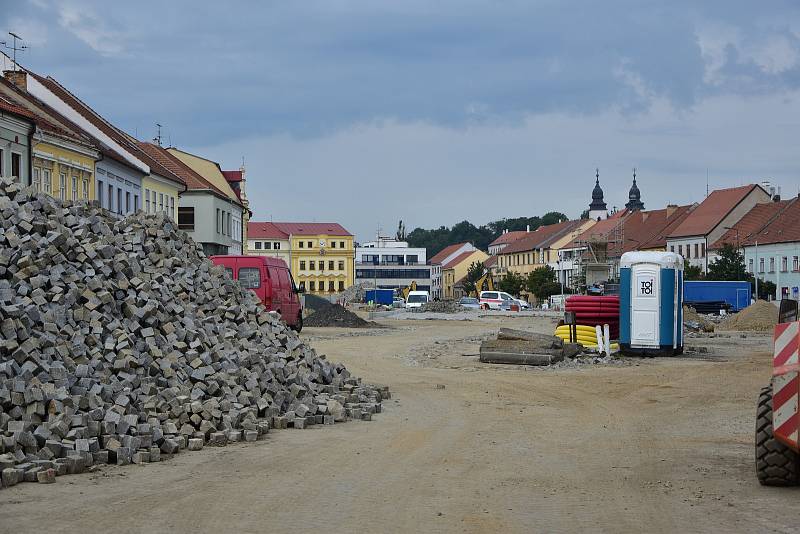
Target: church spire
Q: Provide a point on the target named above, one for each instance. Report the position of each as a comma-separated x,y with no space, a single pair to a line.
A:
634,196
598,208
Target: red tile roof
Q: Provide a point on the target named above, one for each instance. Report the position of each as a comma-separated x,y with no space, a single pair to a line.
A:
446,251
10,107
597,232
491,261
458,259
285,229
673,216
233,176
646,229
509,237
770,222
712,211
541,237
265,230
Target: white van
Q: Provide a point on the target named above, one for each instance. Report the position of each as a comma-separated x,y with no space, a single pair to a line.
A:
416,299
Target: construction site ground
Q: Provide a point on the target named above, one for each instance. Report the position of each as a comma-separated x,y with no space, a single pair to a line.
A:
656,445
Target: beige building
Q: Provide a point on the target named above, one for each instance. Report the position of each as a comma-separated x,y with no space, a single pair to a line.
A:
456,269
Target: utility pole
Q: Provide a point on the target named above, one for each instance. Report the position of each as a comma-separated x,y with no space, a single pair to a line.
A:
14,47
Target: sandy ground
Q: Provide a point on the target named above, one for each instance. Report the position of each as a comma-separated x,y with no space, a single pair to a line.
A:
656,445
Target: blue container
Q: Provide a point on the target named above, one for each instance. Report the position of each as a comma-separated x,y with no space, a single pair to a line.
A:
651,303
737,294
379,296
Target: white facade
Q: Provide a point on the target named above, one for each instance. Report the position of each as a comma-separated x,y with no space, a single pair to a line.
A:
276,247
392,264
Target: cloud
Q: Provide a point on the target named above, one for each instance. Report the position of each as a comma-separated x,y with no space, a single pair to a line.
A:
90,28
376,173
33,31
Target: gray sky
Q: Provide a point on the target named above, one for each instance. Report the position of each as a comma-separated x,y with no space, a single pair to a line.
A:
366,112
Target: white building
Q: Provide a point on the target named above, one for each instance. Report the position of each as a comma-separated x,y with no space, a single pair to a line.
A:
392,264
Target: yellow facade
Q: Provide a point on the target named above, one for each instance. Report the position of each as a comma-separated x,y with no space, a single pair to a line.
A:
456,272
160,195
325,260
64,170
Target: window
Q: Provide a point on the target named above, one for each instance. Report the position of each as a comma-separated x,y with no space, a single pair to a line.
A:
267,245
62,186
784,264
672,248
172,206
702,250
47,181
750,265
147,201
250,277
333,244
761,265
310,244
772,265
37,181
135,202
74,188
119,201
258,245
229,271
302,266
331,287
185,218
276,245
680,250
341,285
688,251
312,266
218,219
110,206
330,265
16,164
300,244
412,259
100,192
86,189
161,202
230,217
341,265
696,249
127,201
311,286
2,172
341,244
796,263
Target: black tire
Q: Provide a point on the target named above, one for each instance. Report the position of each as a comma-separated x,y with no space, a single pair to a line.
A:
776,464
299,324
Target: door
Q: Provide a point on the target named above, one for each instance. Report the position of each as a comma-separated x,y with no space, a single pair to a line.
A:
645,305
275,285
288,310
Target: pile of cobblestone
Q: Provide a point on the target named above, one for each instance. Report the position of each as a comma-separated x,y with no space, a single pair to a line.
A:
120,342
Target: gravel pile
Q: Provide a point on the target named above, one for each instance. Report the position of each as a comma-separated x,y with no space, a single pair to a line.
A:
440,306
762,316
696,322
120,342
336,315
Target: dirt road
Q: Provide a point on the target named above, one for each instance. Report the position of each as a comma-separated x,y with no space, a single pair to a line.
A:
659,445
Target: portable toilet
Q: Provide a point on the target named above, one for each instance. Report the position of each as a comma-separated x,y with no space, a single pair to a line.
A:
651,303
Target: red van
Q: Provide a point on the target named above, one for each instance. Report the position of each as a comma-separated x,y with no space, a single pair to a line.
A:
270,279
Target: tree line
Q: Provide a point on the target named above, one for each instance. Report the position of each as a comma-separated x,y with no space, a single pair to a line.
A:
436,239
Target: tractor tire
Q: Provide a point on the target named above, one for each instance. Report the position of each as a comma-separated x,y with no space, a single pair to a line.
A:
298,327
776,464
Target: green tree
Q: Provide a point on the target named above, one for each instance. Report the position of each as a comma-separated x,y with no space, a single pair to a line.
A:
474,273
691,272
541,282
729,265
512,283
766,289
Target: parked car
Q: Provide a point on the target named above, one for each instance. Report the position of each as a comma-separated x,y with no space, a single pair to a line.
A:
416,299
469,303
496,300
523,304
271,281
398,302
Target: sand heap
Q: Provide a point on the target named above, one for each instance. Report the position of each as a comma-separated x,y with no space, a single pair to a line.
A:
759,317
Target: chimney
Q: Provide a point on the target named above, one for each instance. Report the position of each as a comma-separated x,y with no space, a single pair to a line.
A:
777,196
18,78
671,209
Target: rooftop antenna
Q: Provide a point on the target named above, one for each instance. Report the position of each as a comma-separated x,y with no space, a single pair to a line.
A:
706,181
157,138
14,47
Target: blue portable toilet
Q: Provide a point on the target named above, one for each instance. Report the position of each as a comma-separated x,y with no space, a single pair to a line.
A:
651,303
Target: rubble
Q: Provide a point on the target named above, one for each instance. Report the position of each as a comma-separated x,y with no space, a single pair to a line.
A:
120,342
441,306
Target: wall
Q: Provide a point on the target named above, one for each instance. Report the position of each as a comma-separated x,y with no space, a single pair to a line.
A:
51,160
126,183
157,188
283,252
14,140
205,220
789,279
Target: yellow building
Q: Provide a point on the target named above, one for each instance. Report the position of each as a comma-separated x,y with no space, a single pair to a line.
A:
539,248
456,269
320,255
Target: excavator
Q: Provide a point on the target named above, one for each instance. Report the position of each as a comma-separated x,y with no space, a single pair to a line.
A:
404,291
484,283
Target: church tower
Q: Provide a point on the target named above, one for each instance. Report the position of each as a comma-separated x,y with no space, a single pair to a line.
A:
597,209
634,196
